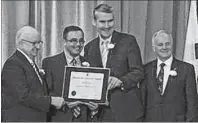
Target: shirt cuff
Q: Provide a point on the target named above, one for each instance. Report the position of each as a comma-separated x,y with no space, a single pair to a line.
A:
122,86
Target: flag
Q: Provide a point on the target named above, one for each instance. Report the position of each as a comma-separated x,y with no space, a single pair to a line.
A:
192,38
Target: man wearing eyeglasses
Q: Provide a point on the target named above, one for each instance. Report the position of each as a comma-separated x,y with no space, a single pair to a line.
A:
54,68
24,92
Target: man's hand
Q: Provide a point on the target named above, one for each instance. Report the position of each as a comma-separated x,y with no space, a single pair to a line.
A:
92,106
58,102
73,104
113,82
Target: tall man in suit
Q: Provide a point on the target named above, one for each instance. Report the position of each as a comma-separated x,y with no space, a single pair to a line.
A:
24,94
119,52
54,67
169,89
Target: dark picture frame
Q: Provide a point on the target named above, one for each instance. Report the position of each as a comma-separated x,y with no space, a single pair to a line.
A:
67,77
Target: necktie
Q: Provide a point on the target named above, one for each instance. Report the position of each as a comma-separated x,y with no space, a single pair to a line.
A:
74,62
104,52
160,78
37,73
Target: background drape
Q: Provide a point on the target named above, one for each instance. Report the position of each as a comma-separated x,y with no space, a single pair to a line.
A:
139,18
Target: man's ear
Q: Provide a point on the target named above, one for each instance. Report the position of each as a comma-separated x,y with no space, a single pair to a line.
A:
153,47
93,22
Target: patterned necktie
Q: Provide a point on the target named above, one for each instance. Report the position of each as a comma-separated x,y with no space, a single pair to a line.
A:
160,78
37,73
74,62
104,52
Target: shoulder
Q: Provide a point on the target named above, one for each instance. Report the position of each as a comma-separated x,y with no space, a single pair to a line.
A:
53,58
125,39
92,42
150,64
13,60
13,63
184,64
124,35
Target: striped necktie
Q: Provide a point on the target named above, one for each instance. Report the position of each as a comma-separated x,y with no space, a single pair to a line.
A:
104,52
37,73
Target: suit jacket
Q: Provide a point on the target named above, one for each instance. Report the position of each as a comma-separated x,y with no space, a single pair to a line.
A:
125,63
178,103
23,96
54,68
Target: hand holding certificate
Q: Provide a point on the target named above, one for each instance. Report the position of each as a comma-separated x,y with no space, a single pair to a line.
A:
85,84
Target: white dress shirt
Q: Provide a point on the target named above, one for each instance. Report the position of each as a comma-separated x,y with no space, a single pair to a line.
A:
167,68
104,57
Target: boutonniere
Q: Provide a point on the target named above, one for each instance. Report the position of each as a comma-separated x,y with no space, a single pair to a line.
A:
110,46
173,72
85,64
42,72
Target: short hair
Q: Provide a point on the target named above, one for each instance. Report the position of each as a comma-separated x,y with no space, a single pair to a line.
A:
69,29
159,33
25,30
102,8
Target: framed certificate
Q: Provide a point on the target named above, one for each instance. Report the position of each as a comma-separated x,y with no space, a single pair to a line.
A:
85,84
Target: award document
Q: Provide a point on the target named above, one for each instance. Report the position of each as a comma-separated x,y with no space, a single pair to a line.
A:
85,84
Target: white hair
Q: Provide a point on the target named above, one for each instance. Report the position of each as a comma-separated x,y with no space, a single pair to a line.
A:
160,33
24,31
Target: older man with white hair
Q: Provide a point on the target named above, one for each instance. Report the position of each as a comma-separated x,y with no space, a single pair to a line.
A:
24,93
169,88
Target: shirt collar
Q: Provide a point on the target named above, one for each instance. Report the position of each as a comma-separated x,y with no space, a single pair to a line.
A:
105,40
69,58
168,62
27,57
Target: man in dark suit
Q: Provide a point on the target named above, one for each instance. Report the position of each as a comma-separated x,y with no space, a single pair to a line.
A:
119,52
54,67
24,93
169,89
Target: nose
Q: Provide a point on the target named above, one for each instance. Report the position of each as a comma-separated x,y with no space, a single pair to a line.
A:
38,45
78,43
106,24
164,47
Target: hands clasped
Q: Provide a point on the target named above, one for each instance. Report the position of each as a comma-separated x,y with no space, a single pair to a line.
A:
76,109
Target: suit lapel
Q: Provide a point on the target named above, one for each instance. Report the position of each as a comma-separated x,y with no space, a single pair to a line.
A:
154,74
97,55
27,63
171,79
115,38
62,59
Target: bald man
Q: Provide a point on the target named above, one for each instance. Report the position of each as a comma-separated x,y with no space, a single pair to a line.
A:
24,93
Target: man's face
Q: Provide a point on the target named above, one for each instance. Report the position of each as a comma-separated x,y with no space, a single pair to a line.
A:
32,44
105,24
163,47
74,43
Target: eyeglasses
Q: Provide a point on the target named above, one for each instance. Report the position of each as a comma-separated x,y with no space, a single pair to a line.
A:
75,41
33,43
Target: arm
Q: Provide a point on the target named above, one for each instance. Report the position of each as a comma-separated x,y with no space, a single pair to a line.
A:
48,77
19,85
143,89
136,73
191,94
